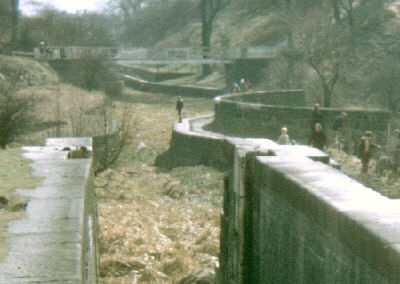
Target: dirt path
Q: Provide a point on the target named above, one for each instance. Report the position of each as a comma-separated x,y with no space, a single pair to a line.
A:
157,226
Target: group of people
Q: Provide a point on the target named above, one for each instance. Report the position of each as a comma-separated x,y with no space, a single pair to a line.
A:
242,86
318,138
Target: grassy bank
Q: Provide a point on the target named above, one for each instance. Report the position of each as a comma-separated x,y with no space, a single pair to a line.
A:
156,226
14,173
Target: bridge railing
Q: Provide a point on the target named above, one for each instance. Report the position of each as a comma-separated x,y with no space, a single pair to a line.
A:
188,53
169,53
72,52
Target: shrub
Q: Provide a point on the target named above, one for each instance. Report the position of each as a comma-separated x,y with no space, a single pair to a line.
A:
16,114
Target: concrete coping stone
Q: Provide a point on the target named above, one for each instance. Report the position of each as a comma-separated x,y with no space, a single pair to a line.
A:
69,141
134,78
234,99
194,126
359,217
192,87
37,249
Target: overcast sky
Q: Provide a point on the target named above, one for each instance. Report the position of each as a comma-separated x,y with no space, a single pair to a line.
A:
70,6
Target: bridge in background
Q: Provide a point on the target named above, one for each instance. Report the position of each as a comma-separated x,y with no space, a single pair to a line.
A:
154,56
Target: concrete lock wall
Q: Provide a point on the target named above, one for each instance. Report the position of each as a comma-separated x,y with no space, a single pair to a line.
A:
294,220
147,75
57,241
289,217
189,91
262,114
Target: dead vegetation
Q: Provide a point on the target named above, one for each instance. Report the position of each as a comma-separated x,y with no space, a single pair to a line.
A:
351,166
157,226
26,72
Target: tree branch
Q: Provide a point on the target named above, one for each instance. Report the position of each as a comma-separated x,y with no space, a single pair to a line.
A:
314,66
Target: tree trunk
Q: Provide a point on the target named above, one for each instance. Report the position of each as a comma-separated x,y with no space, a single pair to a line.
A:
390,99
327,94
14,35
206,30
336,10
290,60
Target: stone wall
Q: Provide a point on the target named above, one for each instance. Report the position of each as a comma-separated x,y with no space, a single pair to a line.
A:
57,241
293,98
69,70
288,218
176,90
191,150
239,115
191,145
146,74
248,68
293,220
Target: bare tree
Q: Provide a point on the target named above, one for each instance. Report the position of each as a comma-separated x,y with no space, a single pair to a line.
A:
16,114
382,68
109,146
312,38
325,50
209,10
15,17
9,24
128,8
343,10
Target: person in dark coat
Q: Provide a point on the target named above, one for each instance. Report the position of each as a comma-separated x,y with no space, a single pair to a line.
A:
318,138
364,148
338,125
179,107
316,116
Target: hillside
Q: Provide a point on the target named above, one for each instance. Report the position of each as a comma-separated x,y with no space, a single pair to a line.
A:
358,55
60,109
156,225
238,24
25,72
5,24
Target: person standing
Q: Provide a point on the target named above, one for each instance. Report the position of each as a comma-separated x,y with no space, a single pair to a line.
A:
396,152
318,138
179,107
242,86
316,116
339,120
283,138
236,88
247,85
338,125
365,147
